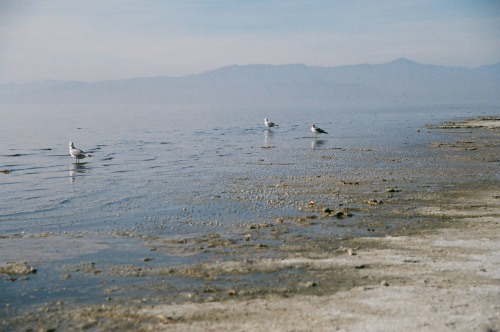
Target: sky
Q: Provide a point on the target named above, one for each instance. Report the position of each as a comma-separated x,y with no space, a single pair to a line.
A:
94,40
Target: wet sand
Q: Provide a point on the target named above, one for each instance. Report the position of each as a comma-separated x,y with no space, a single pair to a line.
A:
441,273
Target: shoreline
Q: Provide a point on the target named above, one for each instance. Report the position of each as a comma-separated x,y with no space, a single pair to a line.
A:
439,277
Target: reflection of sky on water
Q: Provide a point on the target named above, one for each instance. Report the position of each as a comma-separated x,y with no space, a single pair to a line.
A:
154,166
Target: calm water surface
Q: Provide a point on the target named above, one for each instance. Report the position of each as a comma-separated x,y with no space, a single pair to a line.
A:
160,172
154,167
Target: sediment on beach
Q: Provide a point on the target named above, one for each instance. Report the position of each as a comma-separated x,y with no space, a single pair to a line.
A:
439,272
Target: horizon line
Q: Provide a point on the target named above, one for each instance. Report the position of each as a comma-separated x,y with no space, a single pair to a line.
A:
401,59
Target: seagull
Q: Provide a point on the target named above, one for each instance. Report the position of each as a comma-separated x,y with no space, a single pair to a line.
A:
317,130
77,153
269,124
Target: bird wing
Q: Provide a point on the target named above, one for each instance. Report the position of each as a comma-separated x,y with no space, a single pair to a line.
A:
79,153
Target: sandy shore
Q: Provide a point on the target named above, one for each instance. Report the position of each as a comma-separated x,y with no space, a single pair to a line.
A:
444,278
448,280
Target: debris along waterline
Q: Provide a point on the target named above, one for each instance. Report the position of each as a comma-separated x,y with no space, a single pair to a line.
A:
308,250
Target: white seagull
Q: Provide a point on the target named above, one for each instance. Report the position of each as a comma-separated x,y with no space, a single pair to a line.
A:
77,153
269,124
317,130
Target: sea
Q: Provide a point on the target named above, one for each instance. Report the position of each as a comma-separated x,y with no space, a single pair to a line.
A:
153,166
195,174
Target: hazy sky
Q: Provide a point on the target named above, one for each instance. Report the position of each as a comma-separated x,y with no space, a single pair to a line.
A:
93,40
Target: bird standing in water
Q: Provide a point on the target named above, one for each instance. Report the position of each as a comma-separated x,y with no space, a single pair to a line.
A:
77,153
269,124
317,130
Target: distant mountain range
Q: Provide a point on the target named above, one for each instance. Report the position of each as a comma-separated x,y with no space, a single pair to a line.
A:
298,85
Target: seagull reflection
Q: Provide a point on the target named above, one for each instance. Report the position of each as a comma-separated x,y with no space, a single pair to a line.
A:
268,134
76,169
316,143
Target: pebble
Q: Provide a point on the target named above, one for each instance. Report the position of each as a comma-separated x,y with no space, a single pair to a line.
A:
341,214
310,284
373,202
17,268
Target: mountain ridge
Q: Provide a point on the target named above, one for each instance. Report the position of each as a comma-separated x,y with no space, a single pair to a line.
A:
401,80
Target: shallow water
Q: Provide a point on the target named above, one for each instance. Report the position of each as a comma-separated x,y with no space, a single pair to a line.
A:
181,186
154,166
